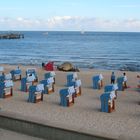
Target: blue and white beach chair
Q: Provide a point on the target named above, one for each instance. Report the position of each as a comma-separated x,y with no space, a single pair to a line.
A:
26,82
6,88
48,85
32,71
71,78
120,82
108,102
5,77
36,93
16,74
67,96
97,81
49,75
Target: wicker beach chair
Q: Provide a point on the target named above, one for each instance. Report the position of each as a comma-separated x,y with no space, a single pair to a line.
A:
6,88
107,102
26,82
36,93
67,96
32,71
16,74
49,75
48,85
97,81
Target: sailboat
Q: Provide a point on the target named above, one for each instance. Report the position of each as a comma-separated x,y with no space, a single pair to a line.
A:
82,32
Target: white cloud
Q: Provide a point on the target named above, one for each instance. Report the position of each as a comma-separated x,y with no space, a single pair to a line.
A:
69,23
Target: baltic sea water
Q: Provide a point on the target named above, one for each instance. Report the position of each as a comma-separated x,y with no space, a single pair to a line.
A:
99,50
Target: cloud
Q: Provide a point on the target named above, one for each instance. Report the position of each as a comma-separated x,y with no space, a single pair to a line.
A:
70,23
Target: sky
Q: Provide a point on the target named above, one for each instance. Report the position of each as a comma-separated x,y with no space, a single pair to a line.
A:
70,15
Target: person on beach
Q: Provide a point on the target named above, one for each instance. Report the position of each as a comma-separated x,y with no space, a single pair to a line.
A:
113,78
43,65
125,80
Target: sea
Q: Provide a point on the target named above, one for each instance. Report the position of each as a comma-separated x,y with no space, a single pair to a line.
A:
90,50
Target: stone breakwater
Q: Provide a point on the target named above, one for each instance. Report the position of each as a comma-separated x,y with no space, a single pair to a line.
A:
11,36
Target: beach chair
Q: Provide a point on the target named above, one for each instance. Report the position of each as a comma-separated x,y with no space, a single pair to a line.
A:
48,85
120,82
26,82
50,74
111,87
36,93
6,88
32,71
71,78
107,102
16,74
97,81
67,96
5,77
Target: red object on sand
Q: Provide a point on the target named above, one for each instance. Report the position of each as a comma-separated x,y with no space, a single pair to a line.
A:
49,66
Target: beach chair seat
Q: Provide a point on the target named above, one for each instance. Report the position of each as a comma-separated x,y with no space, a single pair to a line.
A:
8,76
8,92
97,81
38,97
49,89
108,102
35,93
16,74
70,100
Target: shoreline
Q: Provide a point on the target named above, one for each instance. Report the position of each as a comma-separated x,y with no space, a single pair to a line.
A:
80,68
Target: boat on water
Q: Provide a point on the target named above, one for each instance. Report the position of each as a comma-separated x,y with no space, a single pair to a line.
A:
45,33
82,32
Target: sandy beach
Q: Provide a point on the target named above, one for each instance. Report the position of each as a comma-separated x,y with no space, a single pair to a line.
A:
85,114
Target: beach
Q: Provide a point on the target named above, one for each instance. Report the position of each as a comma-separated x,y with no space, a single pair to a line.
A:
85,115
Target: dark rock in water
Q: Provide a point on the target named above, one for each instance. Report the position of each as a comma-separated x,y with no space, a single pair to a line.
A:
130,67
67,66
